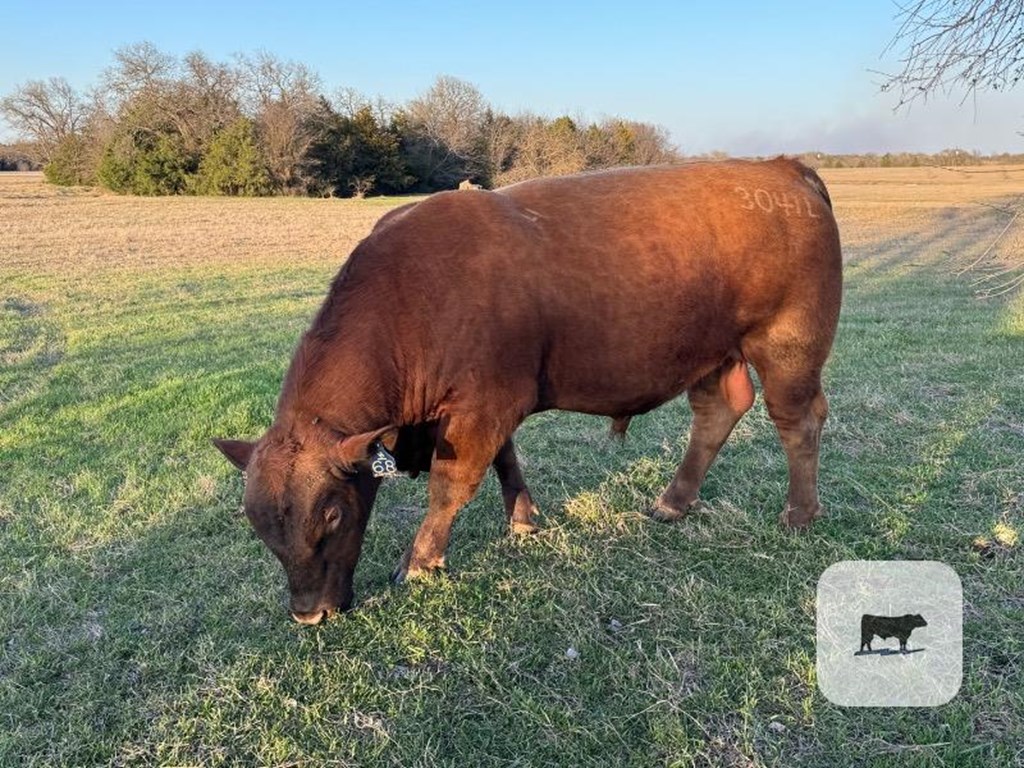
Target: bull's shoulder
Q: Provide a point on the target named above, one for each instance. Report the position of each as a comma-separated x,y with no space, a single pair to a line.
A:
448,226
393,216
468,209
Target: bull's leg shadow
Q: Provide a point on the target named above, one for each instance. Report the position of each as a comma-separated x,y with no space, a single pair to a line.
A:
519,506
714,416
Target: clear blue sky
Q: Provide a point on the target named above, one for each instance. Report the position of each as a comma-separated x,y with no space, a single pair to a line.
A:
743,77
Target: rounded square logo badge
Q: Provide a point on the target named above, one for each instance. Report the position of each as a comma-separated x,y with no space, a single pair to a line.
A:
889,633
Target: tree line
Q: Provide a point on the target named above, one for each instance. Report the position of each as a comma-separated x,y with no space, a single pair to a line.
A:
16,157
948,158
157,124
24,157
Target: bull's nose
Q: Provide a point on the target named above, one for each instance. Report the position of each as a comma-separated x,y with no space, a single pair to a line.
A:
315,617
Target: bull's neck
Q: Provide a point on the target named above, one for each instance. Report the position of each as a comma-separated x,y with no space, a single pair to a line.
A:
339,379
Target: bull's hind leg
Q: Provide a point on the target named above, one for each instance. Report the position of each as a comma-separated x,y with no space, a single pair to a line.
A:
519,505
792,392
718,401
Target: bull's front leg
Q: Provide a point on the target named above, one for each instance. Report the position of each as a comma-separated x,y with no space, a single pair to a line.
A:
466,446
519,506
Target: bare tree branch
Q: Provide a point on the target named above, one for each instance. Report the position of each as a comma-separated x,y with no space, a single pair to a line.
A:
949,44
992,245
999,271
45,112
281,95
137,68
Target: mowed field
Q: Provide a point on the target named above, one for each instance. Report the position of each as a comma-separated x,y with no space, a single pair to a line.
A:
142,623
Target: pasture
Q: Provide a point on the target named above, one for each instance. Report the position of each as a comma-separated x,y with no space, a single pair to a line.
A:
141,622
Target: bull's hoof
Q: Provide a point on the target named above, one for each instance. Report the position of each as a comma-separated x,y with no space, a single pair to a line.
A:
407,571
668,513
522,521
523,528
798,518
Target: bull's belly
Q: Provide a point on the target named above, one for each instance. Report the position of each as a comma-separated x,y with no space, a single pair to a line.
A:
617,407
620,358
625,389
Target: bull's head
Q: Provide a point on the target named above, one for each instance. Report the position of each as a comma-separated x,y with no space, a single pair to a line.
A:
308,496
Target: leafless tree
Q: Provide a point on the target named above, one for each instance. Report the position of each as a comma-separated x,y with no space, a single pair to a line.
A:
615,141
651,144
205,99
270,78
530,146
149,91
447,125
350,102
45,112
546,148
137,68
17,157
281,96
502,137
450,112
945,44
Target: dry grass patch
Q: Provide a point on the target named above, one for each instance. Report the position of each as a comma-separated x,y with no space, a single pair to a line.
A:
80,232
963,219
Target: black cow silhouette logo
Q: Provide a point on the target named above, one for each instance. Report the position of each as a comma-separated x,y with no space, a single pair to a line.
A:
885,627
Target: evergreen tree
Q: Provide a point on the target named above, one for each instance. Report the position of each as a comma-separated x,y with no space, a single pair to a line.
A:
69,164
147,164
354,155
233,164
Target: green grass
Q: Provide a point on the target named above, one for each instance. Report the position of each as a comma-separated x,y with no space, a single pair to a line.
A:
142,623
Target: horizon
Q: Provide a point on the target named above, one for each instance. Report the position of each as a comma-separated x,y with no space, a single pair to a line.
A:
791,80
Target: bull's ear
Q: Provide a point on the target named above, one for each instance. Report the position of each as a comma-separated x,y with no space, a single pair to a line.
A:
355,449
238,452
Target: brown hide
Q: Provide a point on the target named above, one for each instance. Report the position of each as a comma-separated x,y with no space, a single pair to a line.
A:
607,293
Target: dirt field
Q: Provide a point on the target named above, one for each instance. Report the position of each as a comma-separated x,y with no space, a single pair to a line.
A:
883,202
78,231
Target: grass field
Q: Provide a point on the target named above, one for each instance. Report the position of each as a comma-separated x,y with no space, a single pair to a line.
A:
141,622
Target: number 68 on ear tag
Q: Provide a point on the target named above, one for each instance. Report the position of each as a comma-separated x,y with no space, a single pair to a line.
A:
382,463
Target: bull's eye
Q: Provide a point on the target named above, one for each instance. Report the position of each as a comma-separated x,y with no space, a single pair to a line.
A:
332,516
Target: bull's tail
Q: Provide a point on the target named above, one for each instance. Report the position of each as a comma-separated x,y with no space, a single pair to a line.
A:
812,179
817,185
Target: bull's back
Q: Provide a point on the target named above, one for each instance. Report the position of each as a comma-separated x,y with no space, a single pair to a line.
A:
613,292
652,277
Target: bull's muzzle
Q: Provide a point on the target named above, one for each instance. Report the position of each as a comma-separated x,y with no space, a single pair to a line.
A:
313,617
311,606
